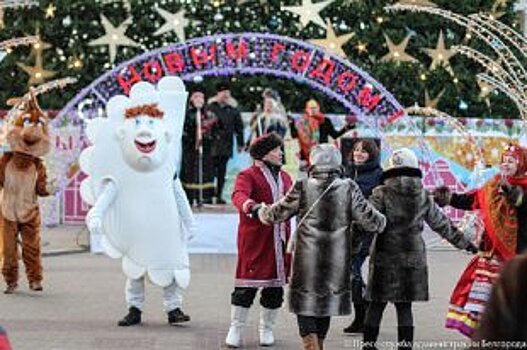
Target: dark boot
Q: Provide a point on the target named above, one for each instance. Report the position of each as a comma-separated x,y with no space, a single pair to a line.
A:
321,343
369,337
357,326
405,337
133,318
177,316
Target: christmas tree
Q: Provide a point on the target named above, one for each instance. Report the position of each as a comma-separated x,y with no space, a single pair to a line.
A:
409,53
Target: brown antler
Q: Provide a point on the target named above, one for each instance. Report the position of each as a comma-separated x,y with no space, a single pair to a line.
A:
33,106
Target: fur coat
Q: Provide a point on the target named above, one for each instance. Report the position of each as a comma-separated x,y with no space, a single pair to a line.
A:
398,269
321,278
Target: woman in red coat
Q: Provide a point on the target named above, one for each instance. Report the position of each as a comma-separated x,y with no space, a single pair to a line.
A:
262,261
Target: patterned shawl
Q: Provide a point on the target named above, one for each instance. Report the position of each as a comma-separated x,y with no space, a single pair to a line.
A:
308,128
500,217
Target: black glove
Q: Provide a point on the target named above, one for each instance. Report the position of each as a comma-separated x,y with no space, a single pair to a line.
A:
513,194
471,248
253,213
442,196
350,126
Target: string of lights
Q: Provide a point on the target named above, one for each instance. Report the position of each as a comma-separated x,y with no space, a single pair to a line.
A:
508,70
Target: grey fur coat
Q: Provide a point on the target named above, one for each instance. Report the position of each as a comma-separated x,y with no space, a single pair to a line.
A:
321,274
398,268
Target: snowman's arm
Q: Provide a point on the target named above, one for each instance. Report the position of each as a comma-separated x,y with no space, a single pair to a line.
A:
185,212
104,200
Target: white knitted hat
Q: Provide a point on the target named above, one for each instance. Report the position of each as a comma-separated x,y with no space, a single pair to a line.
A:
402,157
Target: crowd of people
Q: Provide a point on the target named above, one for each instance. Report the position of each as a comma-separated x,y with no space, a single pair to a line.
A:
212,126
347,207
346,212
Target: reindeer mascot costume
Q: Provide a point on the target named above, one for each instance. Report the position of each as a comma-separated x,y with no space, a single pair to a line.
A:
23,178
139,207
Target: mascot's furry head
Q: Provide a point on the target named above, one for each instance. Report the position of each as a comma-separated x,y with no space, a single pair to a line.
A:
141,133
28,131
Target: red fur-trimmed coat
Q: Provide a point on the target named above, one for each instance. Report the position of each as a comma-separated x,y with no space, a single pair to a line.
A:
262,261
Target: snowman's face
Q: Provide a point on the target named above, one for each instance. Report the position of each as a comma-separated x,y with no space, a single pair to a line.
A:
144,142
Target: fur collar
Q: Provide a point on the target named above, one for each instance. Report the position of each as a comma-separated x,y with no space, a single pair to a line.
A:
402,171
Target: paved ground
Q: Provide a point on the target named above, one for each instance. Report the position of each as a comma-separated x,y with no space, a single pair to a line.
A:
83,299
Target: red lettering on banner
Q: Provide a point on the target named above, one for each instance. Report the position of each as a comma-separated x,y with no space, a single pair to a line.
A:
300,56
395,116
240,53
351,83
152,71
202,56
277,47
174,62
324,71
127,82
366,99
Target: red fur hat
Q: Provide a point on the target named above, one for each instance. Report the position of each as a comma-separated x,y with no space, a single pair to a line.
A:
265,144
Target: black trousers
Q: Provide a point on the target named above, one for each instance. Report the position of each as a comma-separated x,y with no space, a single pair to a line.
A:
311,324
376,309
270,297
220,171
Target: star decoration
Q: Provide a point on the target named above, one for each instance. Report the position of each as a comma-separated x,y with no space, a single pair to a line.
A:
332,42
495,12
499,3
432,102
417,3
37,73
440,55
114,37
308,11
362,47
173,22
397,52
39,46
485,89
50,11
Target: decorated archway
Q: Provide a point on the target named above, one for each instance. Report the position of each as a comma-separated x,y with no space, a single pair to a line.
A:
246,54
243,54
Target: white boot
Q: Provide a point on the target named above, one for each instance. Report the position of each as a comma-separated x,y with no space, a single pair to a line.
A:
267,320
238,320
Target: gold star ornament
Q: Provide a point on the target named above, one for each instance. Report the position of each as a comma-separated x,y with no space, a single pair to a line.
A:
308,11
397,52
114,37
37,73
485,89
50,11
432,102
441,55
39,46
332,42
173,22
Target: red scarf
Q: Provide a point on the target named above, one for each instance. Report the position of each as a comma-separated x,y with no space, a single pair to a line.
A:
500,217
308,128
